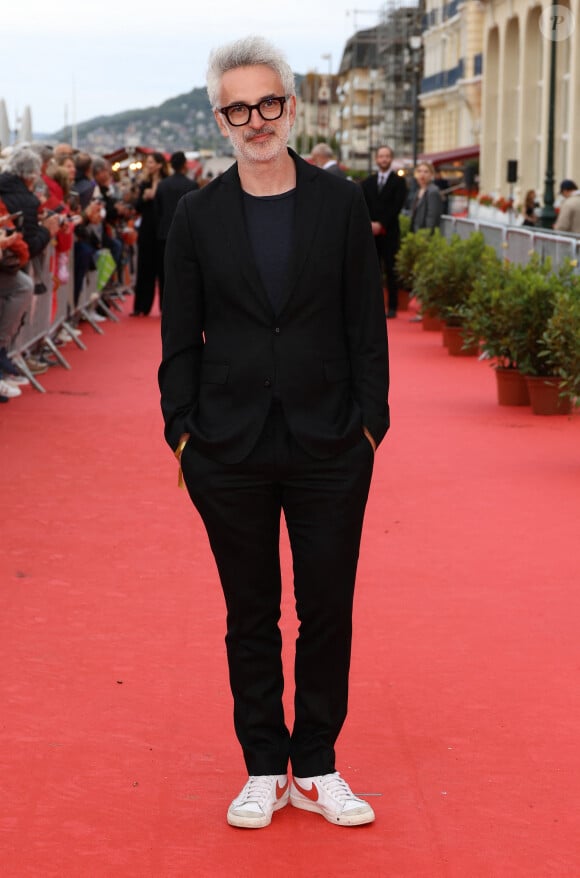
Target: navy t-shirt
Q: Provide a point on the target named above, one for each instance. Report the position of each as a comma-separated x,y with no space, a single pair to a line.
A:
270,224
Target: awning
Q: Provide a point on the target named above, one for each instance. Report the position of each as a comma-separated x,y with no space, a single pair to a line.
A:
462,153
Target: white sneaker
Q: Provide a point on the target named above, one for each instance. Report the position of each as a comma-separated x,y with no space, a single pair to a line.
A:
331,796
98,318
262,795
17,380
9,390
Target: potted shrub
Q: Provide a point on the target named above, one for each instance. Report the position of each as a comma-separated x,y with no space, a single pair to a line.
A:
409,256
445,280
404,293
489,318
560,342
533,289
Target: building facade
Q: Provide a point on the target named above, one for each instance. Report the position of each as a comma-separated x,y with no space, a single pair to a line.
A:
318,116
518,40
452,78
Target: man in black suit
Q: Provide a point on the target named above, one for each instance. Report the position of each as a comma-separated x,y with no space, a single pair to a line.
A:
274,383
169,191
385,194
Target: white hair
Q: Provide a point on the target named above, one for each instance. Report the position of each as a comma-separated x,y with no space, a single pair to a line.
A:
24,162
246,52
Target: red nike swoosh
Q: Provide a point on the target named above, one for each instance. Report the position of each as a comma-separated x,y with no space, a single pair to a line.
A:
311,794
280,790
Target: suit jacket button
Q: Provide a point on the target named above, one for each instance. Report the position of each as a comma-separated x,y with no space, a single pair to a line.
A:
267,383
277,330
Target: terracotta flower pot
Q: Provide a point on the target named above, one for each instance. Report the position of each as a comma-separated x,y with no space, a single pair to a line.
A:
512,388
453,341
431,323
403,297
545,396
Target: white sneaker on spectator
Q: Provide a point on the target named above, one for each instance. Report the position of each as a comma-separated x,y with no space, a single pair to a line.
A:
64,336
260,797
17,380
330,796
98,318
9,390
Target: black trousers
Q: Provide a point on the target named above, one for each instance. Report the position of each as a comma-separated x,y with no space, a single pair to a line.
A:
387,251
147,271
323,502
160,245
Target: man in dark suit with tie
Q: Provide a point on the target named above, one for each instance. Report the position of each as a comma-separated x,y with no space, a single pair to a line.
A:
274,382
385,194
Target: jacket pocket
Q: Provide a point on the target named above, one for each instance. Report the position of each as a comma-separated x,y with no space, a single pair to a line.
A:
337,370
214,373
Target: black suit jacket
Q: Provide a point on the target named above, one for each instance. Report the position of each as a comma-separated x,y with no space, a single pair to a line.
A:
225,352
386,205
169,191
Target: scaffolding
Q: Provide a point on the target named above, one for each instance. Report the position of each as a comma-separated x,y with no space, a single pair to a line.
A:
393,115
402,69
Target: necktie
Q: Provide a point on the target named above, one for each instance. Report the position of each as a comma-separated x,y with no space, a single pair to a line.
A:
382,181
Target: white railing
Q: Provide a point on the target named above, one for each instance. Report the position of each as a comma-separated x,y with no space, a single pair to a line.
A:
516,243
54,311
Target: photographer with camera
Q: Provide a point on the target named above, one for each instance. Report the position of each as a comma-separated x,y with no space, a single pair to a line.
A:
115,210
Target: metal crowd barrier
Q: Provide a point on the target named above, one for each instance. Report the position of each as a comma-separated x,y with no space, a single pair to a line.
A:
516,243
53,312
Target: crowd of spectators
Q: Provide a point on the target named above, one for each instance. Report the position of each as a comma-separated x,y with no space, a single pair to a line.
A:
71,200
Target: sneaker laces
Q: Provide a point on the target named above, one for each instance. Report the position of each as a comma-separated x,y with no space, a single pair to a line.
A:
257,790
338,788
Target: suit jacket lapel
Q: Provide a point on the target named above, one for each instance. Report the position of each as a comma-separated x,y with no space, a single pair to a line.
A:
236,241
306,217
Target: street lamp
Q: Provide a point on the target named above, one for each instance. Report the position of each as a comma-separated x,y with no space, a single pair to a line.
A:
325,100
372,78
328,57
548,214
341,99
415,43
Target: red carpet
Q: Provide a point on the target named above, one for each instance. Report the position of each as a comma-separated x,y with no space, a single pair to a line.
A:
117,754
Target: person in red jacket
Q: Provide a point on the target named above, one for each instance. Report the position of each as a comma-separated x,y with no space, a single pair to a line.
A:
57,179
15,298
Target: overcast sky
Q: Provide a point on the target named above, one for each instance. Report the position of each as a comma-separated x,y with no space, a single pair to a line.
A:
115,56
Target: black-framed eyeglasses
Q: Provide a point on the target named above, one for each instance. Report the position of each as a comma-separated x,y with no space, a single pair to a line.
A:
240,114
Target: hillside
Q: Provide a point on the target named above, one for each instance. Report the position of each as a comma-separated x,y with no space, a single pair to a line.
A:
183,122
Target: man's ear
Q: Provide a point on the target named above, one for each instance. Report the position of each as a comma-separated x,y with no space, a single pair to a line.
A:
292,109
221,123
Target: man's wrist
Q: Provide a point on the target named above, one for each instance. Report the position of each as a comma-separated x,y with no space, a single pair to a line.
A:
369,436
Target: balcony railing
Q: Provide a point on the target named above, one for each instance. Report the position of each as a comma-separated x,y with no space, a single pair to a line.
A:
443,79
